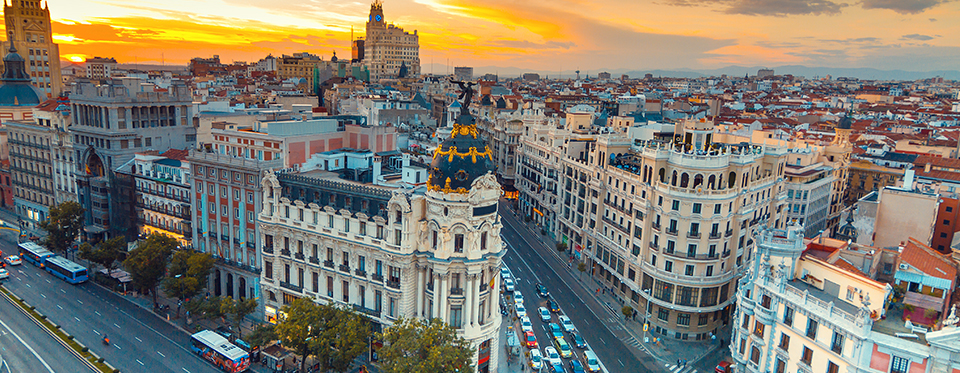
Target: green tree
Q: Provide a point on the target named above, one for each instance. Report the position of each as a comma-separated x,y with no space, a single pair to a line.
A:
262,335
105,253
63,226
627,311
148,261
205,308
417,345
296,331
351,335
561,246
582,267
187,274
235,310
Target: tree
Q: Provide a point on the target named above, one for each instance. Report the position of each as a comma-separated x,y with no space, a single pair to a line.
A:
561,246
296,331
63,226
418,345
148,262
334,335
582,267
262,335
187,274
105,253
205,308
351,335
627,311
236,310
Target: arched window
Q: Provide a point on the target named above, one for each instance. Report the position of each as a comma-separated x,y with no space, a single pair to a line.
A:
684,180
663,175
732,181
712,182
697,180
673,180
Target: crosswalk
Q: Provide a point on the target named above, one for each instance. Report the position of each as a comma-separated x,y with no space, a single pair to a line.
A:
631,341
680,369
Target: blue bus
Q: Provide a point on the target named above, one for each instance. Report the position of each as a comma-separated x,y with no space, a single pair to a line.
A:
33,253
66,270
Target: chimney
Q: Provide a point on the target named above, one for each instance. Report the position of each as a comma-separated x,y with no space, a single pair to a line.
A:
908,179
926,168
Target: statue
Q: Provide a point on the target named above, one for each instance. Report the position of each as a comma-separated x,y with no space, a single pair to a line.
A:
953,319
467,92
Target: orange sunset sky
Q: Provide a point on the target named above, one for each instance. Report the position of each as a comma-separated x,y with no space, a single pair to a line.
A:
917,35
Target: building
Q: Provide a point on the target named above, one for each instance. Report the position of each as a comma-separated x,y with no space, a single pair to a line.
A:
163,205
503,136
893,226
803,308
111,122
357,50
433,251
463,73
29,29
303,66
387,47
101,67
808,196
765,73
56,114
530,77
212,66
866,176
17,96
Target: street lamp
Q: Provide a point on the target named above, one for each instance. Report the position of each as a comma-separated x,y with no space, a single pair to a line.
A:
180,294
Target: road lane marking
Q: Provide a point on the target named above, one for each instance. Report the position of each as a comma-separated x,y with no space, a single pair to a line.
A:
118,347
158,352
95,331
141,363
48,281
44,362
98,313
58,306
81,302
63,291
44,296
115,324
185,370
28,285
75,318
138,339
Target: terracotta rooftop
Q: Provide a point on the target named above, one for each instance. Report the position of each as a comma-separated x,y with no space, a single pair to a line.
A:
928,261
178,154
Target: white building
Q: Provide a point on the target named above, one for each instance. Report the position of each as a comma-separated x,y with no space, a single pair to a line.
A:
388,47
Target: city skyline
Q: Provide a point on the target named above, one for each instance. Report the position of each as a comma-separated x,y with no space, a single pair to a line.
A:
539,36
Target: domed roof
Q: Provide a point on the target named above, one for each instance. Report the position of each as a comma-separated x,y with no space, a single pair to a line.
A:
847,231
845,123
461,159
16,89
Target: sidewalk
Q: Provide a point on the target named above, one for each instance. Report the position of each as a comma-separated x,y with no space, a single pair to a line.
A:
669,349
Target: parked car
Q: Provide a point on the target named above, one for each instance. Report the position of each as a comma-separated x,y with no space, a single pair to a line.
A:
544,314
591,361
525,324
723,367
576,366
530,339
553,357
578,340
12,260
521,311
557,368
554,307
508,285
4,274
565,351
542,290
567,324
518,297
536,359
505,272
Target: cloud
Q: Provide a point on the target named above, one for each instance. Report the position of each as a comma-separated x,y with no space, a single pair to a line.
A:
902,6
776,8
852,40
916,37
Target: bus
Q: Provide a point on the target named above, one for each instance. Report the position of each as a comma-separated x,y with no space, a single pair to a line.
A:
66,270
219,351
33,253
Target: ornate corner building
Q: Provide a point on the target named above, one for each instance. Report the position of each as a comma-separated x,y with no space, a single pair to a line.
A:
429,252
29,30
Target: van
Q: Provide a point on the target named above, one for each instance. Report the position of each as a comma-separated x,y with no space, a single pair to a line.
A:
591,361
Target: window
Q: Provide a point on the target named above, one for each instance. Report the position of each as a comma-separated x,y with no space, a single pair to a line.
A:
346,258
899,365
781,366
716,208
676,205
456,316
683,319
268,269
765,301
837,344
696,208
316,282
458,243
709,270
758,328
689,270
788,316
743,345
702,319
784,342
346,292
812,326
807,356
832,368
746,322
755,355
664,314
483,241
668,266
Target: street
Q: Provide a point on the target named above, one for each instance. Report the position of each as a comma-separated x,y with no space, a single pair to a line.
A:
139,340
531,261
25,347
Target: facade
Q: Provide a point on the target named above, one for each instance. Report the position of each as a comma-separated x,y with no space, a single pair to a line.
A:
227,198
893,227
809,191
803,311
31,168
56,114
101,67
866,177
390,252
162,183
29,29
503,136
388,47
111,122
463,73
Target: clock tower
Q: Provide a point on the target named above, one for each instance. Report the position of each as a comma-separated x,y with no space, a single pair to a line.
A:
376,15
388,47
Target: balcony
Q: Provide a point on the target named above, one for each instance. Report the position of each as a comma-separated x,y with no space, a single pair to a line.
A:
655,225
328,264
314,260
726,253
268,249
430,286
654,246
238,265
728,233
292,287
344,268
393,284
456,291
298,256
366,311
285,252
714,235
615,225
693,234
376,277
483,287
184,199
183,213
672,231
360,272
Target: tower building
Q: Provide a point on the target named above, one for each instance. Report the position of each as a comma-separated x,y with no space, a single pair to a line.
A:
29,29
387,47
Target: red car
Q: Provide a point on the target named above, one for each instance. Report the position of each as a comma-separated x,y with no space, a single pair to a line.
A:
531,339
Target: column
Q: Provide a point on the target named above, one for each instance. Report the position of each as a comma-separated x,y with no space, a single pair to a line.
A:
421,273
470,303
442,294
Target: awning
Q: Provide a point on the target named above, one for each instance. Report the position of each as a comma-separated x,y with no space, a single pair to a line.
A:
934,282
924,301
117,274
94,229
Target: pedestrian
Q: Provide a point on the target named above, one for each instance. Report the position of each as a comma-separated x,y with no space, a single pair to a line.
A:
604,290
598,291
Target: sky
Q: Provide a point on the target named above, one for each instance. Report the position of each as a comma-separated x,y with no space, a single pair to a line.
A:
537,35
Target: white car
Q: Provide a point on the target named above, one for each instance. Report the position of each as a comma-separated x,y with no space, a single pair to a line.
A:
567,324
521,311
552,356
12,260
544,314
508,284
505,272
525,324
4,274
518,297
536,359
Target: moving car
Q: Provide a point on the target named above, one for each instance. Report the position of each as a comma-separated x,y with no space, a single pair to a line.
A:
4,274
567,324
565,351
12,260
554,307
592,363
578,340
521,311
552,356
544,314
530,339
576,366
508,285
542,290
525,324
536,359
557,368
555,331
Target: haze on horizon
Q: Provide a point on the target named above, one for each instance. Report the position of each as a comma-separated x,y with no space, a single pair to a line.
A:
913,35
